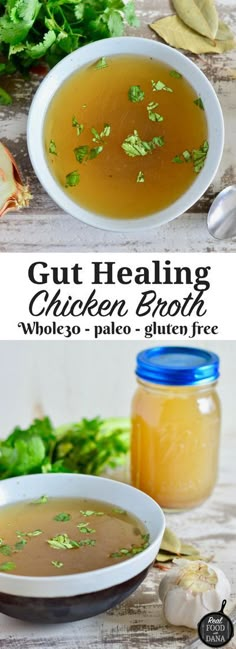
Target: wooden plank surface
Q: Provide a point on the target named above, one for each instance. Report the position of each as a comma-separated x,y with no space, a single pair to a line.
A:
45,227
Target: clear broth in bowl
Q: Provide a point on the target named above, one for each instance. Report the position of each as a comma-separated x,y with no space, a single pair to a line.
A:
126,136
63,536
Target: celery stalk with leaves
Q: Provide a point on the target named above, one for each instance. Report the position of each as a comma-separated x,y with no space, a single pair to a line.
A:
89,446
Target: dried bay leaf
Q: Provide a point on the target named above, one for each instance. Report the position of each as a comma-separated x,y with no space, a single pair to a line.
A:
224,33
170,542
177,34
188,549
164,557
200,15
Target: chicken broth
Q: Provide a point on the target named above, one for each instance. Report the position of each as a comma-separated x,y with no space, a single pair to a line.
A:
62,536
126,136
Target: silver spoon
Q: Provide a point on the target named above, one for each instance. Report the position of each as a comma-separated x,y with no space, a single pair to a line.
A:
221,220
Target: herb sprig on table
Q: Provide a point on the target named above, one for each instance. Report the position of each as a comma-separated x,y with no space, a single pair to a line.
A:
32,29
89,446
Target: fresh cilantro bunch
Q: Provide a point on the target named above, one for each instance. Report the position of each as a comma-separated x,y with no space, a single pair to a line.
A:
49,29
88,446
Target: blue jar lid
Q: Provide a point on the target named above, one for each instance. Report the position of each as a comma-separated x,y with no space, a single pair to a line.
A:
177,366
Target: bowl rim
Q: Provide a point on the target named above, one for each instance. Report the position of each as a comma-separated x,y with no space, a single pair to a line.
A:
29,487
113,47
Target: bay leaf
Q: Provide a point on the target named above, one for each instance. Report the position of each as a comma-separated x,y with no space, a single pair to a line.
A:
163,557
224,33
170,542
188,549
200,15
177,34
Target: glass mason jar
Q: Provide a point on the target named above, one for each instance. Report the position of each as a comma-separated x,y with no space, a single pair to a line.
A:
176,426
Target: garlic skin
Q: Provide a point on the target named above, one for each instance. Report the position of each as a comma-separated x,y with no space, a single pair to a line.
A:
191,590
13,195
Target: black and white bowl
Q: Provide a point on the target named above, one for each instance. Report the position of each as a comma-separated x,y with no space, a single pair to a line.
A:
75,597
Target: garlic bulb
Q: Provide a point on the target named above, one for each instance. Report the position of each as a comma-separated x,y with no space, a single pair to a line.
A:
191,590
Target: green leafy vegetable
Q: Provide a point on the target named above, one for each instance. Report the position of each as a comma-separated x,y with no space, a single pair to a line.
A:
88,512
199,103
140,177
135,94
153,116
79,127
34,533
85,529
159,85
9,565
20,545
6,550
57,564
88,446
62,542
5,98
102,63
175,74
134,146
81,153
40,501
72,179
31,29
197,156
91,542
52,147
62,517
135,549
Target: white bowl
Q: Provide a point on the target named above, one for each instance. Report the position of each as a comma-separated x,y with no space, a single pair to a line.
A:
110,47
69,597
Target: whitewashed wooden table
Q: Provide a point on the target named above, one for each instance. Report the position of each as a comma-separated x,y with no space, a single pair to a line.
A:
45,227
138,622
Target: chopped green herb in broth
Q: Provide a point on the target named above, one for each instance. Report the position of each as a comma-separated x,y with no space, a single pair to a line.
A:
123,118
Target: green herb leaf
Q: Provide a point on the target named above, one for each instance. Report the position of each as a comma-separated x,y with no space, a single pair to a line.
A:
52,147
199,156
57,564
102,63
89,512
117,510
186,155
40,501
140,177
199,103
9,565
175,74
72,179
5,98
159,85
34,533
153,116
81,153
87,542
129,12
93,153
135,94
85,529
6,550
20,545
134,146
62,542
79,127
106,131
62,517
177,159
98,137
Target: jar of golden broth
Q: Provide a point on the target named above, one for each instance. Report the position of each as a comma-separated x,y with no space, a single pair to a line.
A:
176,425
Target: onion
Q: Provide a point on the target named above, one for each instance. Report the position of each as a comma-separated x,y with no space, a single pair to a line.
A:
13,195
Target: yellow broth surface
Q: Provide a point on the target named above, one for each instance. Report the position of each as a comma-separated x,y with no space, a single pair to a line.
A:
95,531
114,183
